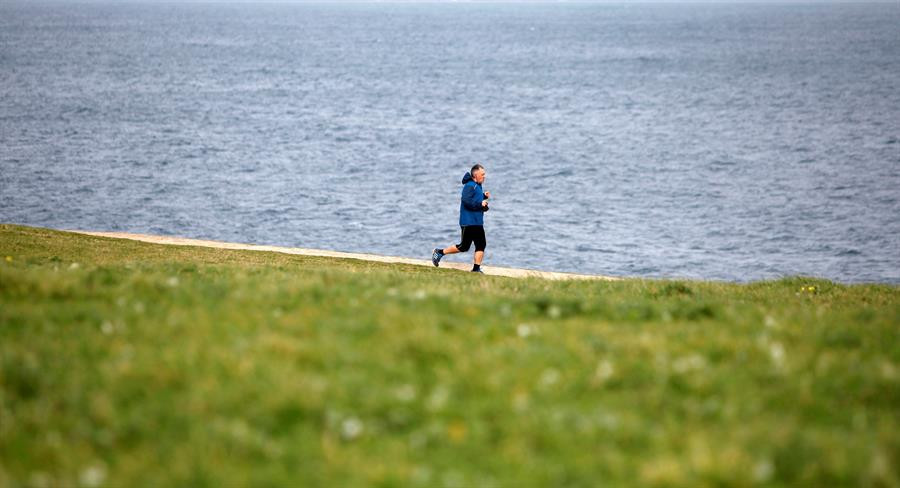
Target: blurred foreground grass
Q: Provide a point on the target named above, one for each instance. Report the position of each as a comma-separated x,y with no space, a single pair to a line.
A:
131,364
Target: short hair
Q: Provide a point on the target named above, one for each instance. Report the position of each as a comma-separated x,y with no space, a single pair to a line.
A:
475,168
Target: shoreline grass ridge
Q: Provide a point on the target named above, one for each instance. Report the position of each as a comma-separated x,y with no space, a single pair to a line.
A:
491,270
127,363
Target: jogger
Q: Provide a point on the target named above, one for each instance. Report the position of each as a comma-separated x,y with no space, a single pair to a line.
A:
472,206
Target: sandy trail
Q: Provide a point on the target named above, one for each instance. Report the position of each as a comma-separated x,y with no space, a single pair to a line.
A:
489,270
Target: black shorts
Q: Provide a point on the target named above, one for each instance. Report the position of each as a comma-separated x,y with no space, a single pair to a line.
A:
470,234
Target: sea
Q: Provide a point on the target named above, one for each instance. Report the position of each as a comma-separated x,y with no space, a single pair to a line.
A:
717,141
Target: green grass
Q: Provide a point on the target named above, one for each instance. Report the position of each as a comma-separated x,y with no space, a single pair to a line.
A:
131,364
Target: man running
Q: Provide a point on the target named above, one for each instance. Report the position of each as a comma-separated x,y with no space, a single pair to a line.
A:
472,207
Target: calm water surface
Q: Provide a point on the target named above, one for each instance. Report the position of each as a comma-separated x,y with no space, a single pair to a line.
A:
737,142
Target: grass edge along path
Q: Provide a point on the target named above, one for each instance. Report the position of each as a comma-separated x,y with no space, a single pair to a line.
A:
489,270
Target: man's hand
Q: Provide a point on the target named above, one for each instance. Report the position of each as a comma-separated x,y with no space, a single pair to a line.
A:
484,203
487,194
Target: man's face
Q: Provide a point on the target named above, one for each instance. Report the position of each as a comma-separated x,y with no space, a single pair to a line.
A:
479,176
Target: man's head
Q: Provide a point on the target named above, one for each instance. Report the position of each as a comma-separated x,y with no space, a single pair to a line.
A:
477,173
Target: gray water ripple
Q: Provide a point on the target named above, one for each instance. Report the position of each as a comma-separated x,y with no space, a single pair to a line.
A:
730,142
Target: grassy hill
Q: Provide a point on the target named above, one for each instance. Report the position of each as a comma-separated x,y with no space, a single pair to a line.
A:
131,364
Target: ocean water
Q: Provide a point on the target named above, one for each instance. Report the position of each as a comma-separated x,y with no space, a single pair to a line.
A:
728,142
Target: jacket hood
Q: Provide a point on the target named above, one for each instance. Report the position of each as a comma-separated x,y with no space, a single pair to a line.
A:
466,178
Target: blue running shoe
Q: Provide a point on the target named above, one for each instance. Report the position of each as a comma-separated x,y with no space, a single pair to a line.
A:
436,257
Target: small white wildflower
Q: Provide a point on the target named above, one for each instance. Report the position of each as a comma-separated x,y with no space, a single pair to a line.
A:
107,327
603,372
880,467
240,430
776,351
405,393
172,281
607,420
549,377
419,295
688,363
524,330
93,476
351,428
554,312
74,266
763,471
438,398
888,371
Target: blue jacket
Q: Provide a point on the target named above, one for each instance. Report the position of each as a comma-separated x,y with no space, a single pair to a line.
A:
470,210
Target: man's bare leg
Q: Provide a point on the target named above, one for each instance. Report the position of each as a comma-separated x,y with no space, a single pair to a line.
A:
451,250
479,255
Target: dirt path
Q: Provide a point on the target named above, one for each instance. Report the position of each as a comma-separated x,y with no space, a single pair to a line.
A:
490,270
